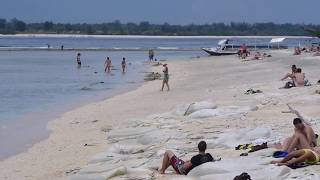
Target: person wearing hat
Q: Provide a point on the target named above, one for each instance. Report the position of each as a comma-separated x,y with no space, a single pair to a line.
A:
165,77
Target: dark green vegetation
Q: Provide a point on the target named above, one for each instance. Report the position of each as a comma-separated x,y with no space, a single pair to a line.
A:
16,26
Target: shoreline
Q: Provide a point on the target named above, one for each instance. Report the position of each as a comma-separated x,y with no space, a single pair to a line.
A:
43,117
214,79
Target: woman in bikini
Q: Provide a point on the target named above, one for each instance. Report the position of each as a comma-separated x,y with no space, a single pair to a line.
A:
165,77
309,156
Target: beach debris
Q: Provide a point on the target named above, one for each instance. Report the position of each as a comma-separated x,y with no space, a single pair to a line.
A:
243,176
252,91
73,171
85,88
196,106
152,76
89,144
106,128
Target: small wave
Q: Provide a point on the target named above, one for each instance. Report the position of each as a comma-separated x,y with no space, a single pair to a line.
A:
86,88
168,48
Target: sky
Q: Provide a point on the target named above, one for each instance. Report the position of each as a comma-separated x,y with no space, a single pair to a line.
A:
161,11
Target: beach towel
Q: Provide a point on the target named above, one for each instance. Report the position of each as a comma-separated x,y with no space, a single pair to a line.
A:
280,154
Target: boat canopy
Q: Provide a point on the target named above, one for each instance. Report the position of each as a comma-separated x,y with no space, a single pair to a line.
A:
223,42
277,40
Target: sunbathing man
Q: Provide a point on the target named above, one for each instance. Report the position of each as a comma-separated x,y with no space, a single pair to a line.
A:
309,156
182,167
303,138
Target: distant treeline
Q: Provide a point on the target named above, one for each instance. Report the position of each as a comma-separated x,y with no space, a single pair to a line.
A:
16,26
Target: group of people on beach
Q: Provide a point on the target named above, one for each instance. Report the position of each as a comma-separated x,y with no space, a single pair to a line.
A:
107,63
313,49
301,146
244,53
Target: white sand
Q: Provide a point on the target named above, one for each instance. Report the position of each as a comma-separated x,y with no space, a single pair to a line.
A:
142,123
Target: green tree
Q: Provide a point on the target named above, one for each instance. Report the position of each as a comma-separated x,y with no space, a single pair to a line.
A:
3,23
47,25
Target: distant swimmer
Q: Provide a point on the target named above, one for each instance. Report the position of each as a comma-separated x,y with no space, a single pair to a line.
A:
123,64
62,47
165,77
107,65
78,59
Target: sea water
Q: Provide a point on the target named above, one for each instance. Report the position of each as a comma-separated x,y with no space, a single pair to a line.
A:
39,81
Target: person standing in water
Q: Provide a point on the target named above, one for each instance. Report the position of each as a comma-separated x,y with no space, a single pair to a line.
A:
78,59
123,64
151,55
107,65
165,77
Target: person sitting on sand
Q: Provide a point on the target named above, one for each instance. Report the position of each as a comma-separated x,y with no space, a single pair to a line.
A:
165,77
107,65
290,84
182,167
243,52
297,51
309,156
257,56
299,78
317,52
290,75
303,138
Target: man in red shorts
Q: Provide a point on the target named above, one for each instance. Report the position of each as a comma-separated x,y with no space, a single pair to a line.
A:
182,167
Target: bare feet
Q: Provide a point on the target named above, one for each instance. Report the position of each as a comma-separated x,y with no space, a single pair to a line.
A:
161,171
275,162
283,164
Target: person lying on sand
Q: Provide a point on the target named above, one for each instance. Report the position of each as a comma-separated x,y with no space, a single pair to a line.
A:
182,167
309,156
303,137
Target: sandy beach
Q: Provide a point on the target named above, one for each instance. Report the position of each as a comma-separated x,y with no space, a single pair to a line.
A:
124,137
